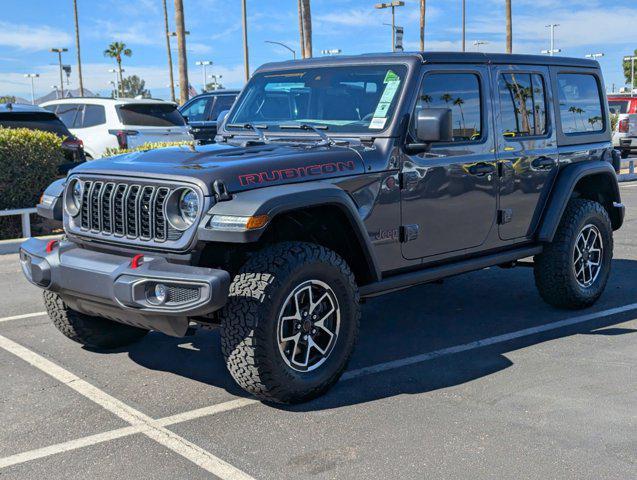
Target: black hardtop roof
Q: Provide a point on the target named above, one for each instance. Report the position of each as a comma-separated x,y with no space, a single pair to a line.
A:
434,57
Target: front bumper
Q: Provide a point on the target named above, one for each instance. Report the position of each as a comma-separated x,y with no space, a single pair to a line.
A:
107,285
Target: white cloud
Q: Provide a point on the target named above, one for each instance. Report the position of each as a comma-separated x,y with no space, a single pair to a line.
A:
27,37
355,17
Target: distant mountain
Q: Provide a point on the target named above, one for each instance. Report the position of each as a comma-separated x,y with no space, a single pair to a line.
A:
55,94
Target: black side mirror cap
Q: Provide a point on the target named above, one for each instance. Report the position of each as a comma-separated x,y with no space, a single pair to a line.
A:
434,125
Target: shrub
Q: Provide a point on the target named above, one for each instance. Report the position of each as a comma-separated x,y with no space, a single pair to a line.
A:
146,146
29,161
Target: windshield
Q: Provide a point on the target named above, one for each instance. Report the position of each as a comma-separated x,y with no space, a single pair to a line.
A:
353,99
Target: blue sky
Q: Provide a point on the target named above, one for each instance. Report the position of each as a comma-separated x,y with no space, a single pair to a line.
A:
28,28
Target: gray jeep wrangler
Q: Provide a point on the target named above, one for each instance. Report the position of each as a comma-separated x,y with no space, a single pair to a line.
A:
334,180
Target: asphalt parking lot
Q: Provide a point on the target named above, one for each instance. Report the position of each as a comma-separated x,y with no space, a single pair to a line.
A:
473,378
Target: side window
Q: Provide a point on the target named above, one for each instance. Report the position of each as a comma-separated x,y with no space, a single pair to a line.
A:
580,104
51,108
222,102
197,109
67,113
461,93
522,105
93,115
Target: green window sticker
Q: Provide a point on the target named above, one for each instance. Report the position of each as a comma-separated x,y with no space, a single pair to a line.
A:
392,82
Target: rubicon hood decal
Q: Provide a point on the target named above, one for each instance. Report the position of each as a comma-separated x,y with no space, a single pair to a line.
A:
239,168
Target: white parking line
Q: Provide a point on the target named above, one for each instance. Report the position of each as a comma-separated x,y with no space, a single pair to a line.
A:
145,425
20,317
403,362
152,429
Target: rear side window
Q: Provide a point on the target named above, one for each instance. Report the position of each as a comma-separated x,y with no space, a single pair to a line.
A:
67,113
461,93
91,116
150,115
522,105
222,102
197,109
47,122
580,103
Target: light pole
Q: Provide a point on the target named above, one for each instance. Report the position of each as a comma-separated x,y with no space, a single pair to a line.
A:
170,55
59,52
246,55
32,76
551,51
392,5
115,72
215,81
203,64
477,43
284,46
464,25
631,59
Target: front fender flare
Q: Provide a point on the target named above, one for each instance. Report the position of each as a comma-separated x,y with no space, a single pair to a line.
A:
274,201
567,179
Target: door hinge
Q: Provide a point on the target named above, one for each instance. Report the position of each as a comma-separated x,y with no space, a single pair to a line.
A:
409,232
504,216
500,169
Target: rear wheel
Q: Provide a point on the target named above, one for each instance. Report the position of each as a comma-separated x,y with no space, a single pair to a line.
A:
95,332
291,322
573,270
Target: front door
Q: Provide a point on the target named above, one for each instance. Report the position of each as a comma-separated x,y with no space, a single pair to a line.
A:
526,147
449,193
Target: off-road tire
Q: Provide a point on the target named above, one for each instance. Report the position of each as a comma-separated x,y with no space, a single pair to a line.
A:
624,154
554,274
93,332
250,318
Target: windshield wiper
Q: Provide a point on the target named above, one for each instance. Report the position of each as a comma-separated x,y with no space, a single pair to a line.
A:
306,126
254,128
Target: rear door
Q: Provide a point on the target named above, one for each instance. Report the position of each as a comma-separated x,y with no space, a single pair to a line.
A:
153,122
527,151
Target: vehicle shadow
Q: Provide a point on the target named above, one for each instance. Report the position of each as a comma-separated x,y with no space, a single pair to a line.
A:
423,319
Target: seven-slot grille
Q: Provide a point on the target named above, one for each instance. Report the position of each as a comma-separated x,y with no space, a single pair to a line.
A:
125,210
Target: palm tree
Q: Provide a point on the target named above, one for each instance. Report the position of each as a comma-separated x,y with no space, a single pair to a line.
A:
423,9
301,31
116,50
446,97
77,45
509,27
459,102
170,55
306,15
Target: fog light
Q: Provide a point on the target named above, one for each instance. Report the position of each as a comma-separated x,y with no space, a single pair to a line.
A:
161,293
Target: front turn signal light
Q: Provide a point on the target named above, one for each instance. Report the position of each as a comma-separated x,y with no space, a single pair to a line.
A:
236,223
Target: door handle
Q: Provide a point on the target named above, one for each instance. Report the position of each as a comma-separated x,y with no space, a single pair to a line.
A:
543,163
481,169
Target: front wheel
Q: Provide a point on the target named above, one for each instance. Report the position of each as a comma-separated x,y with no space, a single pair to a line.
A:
573,270
291,322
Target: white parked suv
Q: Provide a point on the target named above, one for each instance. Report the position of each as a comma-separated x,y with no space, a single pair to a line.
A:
103,123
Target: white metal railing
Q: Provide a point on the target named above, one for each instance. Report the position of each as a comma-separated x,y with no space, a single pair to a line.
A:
26,220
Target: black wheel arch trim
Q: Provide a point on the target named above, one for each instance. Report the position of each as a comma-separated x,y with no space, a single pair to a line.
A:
282,199
567,179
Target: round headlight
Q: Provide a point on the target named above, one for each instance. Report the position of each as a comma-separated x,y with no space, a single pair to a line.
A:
189,206
73,198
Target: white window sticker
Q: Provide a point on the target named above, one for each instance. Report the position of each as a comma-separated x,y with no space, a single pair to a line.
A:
392,82
378,123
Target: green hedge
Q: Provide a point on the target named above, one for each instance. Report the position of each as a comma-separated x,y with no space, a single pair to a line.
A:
29,161
146,146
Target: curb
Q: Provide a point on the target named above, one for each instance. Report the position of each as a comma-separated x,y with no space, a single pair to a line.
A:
8,247
627,177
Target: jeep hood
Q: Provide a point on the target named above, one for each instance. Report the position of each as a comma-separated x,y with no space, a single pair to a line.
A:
240,168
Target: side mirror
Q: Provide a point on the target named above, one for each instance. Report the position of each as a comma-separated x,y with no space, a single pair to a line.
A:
434,125
221,118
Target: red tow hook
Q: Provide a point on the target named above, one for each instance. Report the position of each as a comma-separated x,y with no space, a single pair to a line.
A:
51,245
137,261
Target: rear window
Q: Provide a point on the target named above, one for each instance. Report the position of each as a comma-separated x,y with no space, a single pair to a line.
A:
47,122
580,103
150,115
618,106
